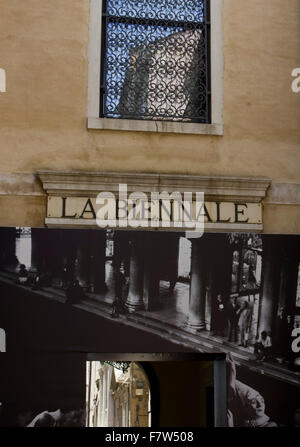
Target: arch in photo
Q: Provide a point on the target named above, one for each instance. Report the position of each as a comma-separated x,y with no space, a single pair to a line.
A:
172,403
120,394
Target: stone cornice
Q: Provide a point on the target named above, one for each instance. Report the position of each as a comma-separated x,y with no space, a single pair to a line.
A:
82,184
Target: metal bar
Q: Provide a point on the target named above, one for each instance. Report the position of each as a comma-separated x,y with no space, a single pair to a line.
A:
134,107
153,21
207,61
103,59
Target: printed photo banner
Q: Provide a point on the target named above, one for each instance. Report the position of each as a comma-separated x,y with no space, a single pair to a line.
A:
142,291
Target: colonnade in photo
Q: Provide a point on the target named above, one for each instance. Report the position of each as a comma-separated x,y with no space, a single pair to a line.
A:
148,257
69,255
279,279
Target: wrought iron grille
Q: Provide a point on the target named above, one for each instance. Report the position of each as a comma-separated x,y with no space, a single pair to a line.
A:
123,366
156,60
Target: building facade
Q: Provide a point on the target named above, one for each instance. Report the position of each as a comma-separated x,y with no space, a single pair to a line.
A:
246,151
170,98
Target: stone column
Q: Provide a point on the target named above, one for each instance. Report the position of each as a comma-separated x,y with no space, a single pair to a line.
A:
285,309
121,253
8,247
218,259
209,297
291,254
289,264
196,318
36,247
46,250
283,284
270,284
97,261
173,256
135,295
70,238
58,237
151,271
82,266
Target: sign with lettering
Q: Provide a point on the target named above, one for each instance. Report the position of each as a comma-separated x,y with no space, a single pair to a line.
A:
86,211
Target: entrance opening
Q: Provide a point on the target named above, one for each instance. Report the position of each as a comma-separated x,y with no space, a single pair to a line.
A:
155,390
117,395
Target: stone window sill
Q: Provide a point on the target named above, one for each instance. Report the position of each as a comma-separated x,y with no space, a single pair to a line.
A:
154,126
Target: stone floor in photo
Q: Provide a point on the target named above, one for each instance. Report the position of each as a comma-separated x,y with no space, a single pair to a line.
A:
169,321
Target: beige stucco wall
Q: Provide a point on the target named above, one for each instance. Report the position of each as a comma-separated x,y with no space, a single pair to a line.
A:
43,48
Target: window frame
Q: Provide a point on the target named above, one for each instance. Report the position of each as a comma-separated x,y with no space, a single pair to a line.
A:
95,122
